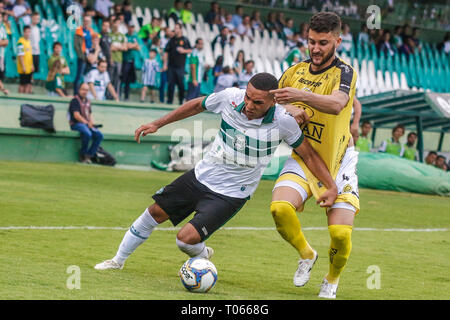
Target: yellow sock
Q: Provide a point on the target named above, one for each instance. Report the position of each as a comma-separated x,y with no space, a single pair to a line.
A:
288,226
340,247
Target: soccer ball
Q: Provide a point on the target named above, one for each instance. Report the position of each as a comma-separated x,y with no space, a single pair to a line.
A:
198,275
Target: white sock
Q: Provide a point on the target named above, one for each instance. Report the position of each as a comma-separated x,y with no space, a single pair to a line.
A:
139,231
193,250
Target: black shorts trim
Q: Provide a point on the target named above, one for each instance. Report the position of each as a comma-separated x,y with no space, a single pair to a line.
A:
186,195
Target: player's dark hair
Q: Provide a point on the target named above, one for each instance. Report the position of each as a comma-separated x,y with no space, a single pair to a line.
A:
324,22
412,134
432,152
264,81
399,126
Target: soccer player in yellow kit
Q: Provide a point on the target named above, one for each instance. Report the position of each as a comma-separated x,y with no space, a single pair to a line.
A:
320,92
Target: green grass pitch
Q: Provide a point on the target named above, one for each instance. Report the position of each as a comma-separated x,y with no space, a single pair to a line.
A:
252,264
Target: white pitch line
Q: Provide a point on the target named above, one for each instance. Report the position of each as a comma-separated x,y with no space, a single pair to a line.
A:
224,228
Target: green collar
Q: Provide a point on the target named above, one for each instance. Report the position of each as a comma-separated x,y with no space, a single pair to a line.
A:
268,118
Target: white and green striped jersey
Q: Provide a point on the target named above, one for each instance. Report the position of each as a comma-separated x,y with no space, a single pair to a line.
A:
243,148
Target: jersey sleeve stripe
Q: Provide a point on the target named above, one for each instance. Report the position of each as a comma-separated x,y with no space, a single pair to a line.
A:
298,142
204,102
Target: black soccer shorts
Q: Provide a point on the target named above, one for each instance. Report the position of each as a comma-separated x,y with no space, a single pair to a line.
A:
186,195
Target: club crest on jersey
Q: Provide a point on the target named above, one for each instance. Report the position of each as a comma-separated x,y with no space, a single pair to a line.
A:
239,142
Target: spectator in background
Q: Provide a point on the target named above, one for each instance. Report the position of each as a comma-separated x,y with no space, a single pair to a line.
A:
296,54
35,39
150,30
280,21
102,7
186,13
363,35
222,38
393,145
271,22
169,34
25,66
94,54
304,29
174,62
416,38
127,11
288,32
3,44
410,151
245,28
237,16
129,57
197,66
150,72
408,46
213,12
22,10
445,44
118,46
239,62
231,42
228,24
123,29
257,24
385,45
397,38
175,11
54,83
217,70
105,43
441,162
82,42
226,80
431,158
245,76
347,40
81,120
99,81
364,143
56,56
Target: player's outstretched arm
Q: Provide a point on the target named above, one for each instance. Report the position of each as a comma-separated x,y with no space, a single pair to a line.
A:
186,110
332,103
318,168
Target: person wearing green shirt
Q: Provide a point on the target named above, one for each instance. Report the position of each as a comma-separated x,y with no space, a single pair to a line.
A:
295,55
186,13
54,83
56,56
393,145
364,143
197,67
175,11
149,31
410,151
130,57
118,46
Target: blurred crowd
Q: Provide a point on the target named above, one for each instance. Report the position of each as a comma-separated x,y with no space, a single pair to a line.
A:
394,146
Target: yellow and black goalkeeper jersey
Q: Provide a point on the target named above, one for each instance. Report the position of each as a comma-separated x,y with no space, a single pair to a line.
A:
328,134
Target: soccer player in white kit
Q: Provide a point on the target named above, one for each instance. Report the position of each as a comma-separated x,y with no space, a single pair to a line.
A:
251,129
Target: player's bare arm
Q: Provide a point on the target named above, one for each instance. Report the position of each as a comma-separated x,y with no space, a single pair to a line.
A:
186,110
318,168
299,114
354,127
332,104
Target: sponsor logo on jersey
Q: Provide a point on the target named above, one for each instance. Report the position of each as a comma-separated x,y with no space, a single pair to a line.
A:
347,188
310,83
313,131
239,142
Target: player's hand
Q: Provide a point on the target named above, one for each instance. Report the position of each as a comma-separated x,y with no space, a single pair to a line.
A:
286,95
145,129
327,198
300,115
354,130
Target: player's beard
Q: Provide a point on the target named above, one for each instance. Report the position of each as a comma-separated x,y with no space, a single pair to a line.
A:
324,60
